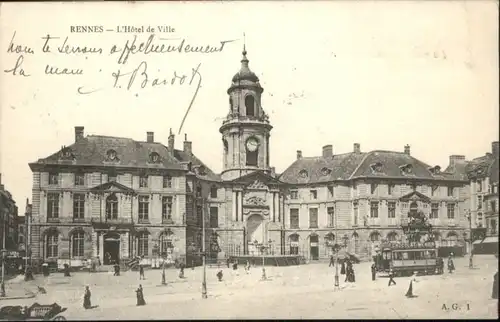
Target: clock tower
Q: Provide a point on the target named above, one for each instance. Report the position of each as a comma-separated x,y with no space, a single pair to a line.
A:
246,129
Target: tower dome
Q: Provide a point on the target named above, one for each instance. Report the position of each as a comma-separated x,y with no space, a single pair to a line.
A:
245,74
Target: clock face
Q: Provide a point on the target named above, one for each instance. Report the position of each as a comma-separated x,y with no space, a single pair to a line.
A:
252,145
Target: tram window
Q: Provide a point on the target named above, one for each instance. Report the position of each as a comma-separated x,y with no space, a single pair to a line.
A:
405,255
432,254
387,255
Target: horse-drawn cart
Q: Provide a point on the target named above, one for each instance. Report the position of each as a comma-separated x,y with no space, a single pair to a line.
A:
35,312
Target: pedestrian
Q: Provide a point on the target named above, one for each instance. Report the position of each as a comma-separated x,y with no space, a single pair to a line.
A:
141,272
140,296
117,270
451,265
374,271
353,275
66,270
391,278
235,266
247,267
332,261
86,298
409,293
228,262
181,271
342,268
28,275
219,275
494,294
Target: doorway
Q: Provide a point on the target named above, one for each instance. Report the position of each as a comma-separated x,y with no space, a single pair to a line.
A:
314,244
111,249
256,232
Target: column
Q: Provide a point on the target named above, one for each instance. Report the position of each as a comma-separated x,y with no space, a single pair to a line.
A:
272,208
240,204
94,244
124,240
233,215
276,206
178,216
101,246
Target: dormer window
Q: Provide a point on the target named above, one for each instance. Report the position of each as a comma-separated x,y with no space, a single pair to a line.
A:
66,154
406,169
201,170
435,170
112,156
303,173
53,178
143,182
325,171
376,167
154,157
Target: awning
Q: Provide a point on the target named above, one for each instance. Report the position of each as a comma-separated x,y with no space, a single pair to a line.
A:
490,240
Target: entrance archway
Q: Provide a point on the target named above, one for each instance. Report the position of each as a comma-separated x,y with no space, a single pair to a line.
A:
256,231
111,248
314,246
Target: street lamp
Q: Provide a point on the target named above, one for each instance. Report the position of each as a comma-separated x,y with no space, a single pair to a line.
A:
4,253
204,282
469,218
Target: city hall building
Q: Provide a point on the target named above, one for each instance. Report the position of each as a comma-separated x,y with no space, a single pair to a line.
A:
115,198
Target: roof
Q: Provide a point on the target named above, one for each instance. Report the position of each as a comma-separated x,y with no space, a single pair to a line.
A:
482,167
93,150
353,165
197,163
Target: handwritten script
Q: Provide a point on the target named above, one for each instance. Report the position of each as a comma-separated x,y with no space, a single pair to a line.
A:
121,77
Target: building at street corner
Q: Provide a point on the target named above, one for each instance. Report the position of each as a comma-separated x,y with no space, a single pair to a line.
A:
8,222
483,175
115,198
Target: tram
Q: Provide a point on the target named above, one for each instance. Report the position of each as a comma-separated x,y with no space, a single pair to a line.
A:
406,258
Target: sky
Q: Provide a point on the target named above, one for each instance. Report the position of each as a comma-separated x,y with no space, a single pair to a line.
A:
382,74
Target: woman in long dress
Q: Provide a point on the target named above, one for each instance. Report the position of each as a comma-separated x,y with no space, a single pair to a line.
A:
413,278
494,294
140,296
342,268
86,298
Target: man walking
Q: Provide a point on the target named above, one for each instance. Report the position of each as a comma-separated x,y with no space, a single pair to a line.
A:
374,271
391,278
141,272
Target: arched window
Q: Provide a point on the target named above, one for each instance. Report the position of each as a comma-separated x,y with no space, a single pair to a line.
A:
142,244
231,105
250,105
355,240
213,192
166,243
392,236
52,245
112,207
375,236
77,244
252,149
294,244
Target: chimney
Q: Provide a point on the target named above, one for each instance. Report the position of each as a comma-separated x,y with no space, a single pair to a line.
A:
171,141
407,149
328,151
357,148
188,145
78,133
494,149
150,137
299,154
454,159
273,171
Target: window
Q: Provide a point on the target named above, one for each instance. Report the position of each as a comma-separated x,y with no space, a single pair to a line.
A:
356,212
21,239
166,243
143,208
373,188
493,226
413,187
252,158
294,218
167,182
143,182
294,194
112,178
331,216
330,192
389,189
199,214
479,186
392,209
142,244
392,236
79,179
213,192
451,211
112,207
214,217
77,240
493,206
374,236
250,105
53,178
374,209
52,205
314,194
166,208
313,217
479,202
294,244
450,191
78,206
480,217
52,245
21,229
434,211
